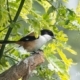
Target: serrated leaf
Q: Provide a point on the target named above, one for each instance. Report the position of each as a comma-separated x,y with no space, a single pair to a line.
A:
59,67
58,64
67,62
72,51
64,76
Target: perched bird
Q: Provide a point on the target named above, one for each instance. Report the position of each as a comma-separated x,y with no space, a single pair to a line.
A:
31,43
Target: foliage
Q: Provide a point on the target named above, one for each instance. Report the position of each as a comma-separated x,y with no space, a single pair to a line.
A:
36,15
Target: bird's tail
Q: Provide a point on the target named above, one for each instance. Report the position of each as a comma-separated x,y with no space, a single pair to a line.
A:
7,42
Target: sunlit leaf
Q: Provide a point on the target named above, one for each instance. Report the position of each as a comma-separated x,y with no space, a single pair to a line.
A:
72,51
67,62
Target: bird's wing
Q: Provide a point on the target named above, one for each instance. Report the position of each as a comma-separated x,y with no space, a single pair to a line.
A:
29,37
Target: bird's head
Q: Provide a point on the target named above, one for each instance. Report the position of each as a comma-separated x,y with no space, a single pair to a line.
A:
47,32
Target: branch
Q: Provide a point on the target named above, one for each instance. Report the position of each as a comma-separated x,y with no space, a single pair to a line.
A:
24,68
9,12
10,28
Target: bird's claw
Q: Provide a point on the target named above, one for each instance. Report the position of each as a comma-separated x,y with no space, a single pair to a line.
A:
37,52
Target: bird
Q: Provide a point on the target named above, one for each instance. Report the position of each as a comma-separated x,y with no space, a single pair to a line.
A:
31,43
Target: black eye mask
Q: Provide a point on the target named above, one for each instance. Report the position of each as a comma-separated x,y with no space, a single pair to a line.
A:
46,31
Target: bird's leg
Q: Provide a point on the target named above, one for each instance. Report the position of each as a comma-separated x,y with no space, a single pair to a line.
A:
37,52
40,50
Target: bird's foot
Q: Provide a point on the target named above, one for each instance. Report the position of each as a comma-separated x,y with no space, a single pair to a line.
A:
37,52
40,50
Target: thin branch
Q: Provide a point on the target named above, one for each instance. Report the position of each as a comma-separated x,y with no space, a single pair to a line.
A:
19,10
10,28
9,12
9,50
11,58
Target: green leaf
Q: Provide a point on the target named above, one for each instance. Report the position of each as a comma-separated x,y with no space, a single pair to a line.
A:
51,9
38,8
58,64
10,60
71,50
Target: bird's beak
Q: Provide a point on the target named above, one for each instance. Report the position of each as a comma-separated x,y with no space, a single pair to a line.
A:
53,37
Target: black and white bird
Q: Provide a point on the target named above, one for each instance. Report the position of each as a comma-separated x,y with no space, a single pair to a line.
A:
31,43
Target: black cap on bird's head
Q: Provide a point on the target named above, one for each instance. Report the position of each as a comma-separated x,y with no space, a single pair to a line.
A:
49,32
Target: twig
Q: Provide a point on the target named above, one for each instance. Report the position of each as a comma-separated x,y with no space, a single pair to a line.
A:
9,12
8,50
11,58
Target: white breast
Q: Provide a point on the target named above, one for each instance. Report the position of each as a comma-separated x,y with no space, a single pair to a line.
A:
42,40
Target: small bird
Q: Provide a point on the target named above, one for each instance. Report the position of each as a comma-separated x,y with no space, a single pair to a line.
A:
31,43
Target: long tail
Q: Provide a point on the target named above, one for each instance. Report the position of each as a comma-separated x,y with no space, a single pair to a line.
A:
7,42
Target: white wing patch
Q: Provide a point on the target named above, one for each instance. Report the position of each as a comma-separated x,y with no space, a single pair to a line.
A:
22,50
27,39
